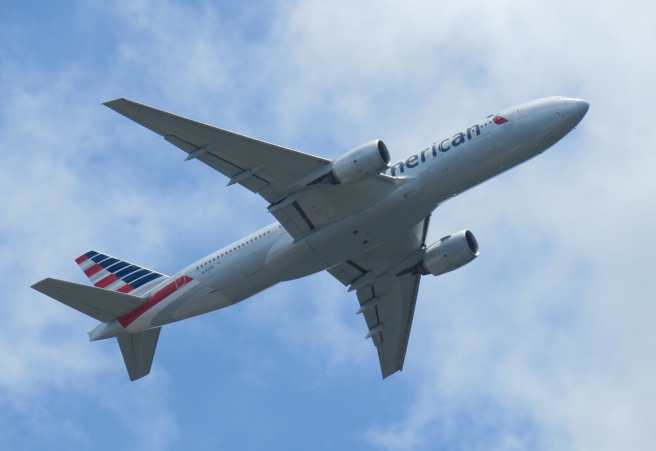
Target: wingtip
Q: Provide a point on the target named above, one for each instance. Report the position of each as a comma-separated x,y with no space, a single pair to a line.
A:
39,284
112,103
388,373
136,377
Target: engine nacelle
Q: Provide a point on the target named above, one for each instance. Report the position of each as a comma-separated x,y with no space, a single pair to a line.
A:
451,252
361,162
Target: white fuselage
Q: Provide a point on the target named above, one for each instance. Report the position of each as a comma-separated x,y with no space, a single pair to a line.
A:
471,155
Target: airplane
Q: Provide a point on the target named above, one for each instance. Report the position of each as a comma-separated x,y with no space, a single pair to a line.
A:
360,218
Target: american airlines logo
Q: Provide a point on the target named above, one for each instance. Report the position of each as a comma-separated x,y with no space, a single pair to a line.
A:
443,146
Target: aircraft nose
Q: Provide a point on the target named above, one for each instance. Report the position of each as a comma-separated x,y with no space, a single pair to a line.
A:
575,107
569,112
560,115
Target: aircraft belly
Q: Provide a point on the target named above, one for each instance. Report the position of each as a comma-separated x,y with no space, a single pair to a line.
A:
368,229
289,259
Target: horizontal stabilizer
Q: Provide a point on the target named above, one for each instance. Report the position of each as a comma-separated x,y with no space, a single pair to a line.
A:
103,305
138,351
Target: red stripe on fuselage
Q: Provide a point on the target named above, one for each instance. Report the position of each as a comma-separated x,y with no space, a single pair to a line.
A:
155,299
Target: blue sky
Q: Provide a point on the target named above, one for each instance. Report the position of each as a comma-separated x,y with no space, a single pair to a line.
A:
545,342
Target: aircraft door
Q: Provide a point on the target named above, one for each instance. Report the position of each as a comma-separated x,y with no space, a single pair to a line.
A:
180,281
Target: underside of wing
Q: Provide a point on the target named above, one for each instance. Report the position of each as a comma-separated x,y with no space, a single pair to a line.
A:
387,292
261,167
287,179
388,307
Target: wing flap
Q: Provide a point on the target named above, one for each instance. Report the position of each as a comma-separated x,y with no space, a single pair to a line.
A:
181,144
103,305
347,272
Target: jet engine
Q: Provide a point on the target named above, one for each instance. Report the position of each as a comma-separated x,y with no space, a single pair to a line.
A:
451,252
361,162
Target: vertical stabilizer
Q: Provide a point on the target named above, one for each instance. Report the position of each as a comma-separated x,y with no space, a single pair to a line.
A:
138,351
110,273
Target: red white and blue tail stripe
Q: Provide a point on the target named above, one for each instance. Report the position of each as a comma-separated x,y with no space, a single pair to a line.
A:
113,274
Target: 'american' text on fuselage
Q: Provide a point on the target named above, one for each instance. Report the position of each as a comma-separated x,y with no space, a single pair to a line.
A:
443,146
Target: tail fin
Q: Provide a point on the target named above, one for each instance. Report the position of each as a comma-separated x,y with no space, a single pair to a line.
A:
116,275
100,304
138,351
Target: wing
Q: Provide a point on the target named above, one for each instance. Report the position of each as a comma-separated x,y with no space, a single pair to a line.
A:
261,167
387,292
388,306
284,177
